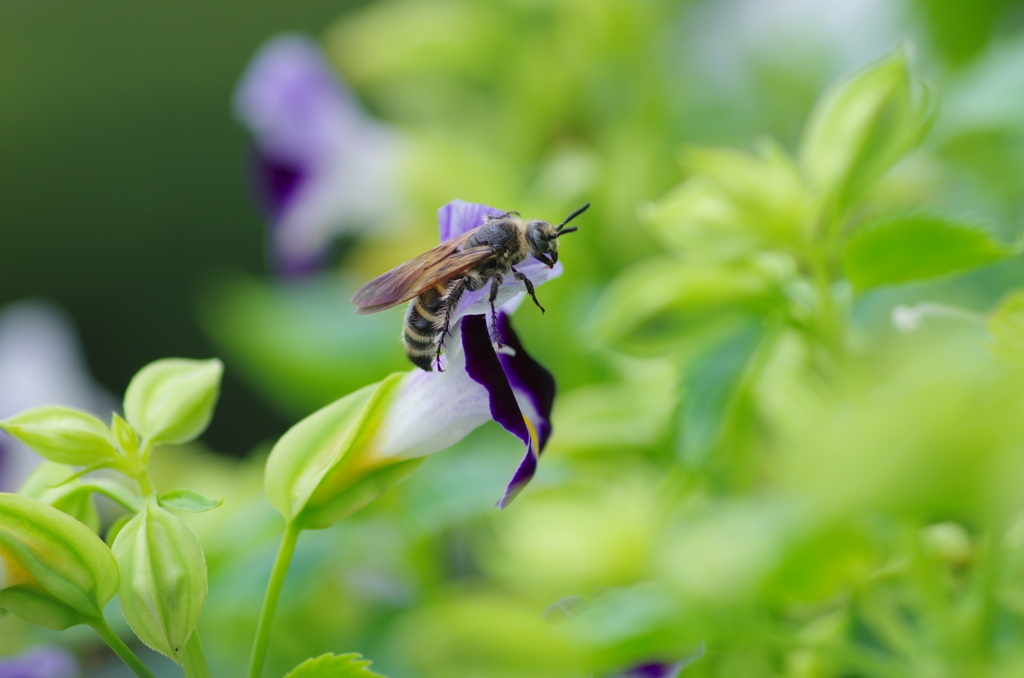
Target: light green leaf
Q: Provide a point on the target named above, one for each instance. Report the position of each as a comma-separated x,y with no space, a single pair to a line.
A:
172,400
1007,326
189,500
65,436
710,389
757,197
163,579
55,571
55,485
334,666
61,487
650,308
862,126
916,248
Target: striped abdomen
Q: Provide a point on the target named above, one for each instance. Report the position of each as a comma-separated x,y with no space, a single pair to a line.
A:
420,333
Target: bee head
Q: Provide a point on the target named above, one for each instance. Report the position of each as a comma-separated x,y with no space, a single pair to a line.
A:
543,237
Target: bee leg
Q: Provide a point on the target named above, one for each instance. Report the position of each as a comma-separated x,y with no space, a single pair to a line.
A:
495,286
529,287
451,302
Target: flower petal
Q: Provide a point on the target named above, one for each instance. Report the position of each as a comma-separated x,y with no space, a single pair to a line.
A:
532,384
40,662
656,670
483,367
321,165
276,181
293,103
434,410
460,216
40,363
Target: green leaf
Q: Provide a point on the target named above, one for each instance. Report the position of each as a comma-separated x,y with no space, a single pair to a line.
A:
916,248
163,579
863,125
334,666
710,388
650,308
65,436
1007,326
60,487
55,485
172,400
54,571
189,500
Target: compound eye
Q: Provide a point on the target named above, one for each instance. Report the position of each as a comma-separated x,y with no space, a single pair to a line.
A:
537,239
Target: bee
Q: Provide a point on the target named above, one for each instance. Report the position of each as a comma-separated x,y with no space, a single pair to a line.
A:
434,282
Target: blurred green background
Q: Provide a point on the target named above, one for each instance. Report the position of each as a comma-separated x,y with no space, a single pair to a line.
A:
748,452
123,174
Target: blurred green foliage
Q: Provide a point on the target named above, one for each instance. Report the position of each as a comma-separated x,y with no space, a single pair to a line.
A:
747,454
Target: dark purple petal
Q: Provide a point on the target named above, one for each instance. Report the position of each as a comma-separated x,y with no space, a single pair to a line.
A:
294,104
321,167
529,379
484,368
665,669
460,216
40,662
656,670
275,181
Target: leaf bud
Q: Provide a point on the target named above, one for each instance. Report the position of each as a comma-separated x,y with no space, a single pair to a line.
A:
324,467
172,400
65,436
163,579
54,571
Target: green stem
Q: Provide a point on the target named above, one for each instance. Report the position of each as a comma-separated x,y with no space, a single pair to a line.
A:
145,483
193,660
284,558
117,645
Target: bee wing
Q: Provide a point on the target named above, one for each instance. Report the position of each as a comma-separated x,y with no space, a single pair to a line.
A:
418,275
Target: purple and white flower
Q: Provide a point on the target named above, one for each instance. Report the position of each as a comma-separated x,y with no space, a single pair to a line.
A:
321,166
40,364
40,662
343,456
434,410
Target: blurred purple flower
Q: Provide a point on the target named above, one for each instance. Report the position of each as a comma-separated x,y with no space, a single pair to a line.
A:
569,608
40,662
320,165
40,364
479,383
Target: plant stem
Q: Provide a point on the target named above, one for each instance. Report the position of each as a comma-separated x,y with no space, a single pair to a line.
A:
99,624
193,660
145,483
284,558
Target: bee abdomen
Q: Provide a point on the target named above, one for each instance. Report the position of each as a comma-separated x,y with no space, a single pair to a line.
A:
419,335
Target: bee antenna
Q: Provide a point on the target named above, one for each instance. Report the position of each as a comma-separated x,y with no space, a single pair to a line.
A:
570,218
568,230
